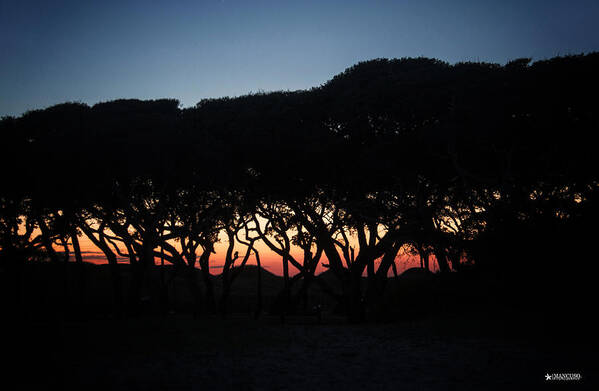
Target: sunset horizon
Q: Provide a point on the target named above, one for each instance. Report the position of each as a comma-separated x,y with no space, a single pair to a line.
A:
298,195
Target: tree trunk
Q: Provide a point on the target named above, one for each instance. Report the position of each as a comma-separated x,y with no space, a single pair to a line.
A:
82,280
394,267
224,298
258,288
355,302
195,290
209,286
286,290
163,287
442,261
424,261
117,286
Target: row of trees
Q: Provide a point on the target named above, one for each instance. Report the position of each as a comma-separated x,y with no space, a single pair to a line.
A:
462,163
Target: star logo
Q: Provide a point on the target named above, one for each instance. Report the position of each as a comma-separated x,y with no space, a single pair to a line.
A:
547,377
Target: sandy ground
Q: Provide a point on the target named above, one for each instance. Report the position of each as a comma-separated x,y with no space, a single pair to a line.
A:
264,355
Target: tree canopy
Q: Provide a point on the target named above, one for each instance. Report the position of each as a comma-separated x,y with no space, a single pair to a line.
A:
461,162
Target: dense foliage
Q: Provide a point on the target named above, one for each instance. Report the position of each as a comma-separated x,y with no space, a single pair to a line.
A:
472,166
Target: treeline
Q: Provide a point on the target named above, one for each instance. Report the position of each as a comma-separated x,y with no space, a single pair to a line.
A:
477,167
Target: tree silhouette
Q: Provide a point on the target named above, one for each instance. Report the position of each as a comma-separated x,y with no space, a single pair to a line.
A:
475,166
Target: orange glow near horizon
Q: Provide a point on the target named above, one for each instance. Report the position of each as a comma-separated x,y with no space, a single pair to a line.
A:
269,259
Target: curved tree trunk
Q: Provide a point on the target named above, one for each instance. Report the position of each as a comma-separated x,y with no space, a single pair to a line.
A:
210,298
115,275
196,293
139,272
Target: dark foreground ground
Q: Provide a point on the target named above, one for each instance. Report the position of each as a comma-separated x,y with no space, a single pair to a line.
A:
181,353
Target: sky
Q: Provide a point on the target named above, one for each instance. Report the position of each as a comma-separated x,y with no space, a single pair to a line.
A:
92,51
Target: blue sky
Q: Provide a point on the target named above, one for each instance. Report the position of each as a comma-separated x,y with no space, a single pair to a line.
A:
91,51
